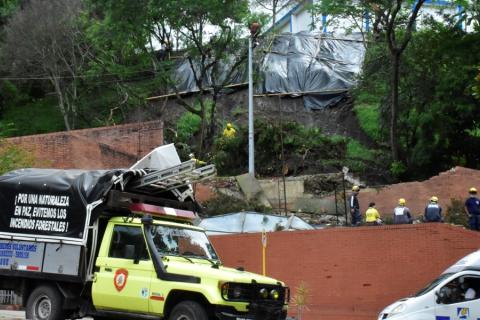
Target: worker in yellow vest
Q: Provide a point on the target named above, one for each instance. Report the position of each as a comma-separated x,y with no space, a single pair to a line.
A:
229,131
372,217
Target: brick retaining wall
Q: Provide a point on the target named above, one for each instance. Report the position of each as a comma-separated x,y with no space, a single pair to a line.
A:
447,185
352,273
97,148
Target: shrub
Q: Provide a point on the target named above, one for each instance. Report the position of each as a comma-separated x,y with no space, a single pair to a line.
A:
456,213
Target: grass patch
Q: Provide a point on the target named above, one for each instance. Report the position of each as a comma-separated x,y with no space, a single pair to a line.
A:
38,116
356,150
369,118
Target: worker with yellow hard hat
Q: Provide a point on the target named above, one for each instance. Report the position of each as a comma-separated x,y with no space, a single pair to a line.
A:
355,206
401,213
229,131
433,211
472,209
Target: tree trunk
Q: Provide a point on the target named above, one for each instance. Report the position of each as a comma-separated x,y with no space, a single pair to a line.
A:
394,84
61,103
203,127
212,124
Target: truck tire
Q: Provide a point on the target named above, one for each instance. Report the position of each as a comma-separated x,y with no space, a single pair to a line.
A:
44,303
188,310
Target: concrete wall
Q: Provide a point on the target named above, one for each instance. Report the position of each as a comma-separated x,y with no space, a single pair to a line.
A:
352,273
97,148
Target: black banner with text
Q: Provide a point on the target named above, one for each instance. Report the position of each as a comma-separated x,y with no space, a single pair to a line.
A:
48,202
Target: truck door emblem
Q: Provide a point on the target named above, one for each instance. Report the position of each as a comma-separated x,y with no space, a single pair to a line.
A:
120,279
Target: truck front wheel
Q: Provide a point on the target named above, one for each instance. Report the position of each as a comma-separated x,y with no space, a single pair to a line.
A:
44,303
188,310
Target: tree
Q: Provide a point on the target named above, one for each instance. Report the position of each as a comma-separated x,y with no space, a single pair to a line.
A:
44,41
395,20
355,12
275,6
210,31
437,114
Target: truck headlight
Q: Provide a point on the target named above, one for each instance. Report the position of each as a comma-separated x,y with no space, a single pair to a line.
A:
274,294
237,292
398,309
264,293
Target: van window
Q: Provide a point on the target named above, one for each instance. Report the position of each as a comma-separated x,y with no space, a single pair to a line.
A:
128,243
461,289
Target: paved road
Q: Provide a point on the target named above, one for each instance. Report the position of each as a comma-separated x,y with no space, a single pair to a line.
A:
17,315
11,315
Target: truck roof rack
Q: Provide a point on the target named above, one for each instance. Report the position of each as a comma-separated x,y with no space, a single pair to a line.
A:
175,179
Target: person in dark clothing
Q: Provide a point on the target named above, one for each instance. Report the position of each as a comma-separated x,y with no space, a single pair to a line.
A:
401,214
355,206
472,208
433,211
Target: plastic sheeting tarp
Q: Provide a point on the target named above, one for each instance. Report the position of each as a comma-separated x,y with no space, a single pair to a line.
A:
242,222
316,66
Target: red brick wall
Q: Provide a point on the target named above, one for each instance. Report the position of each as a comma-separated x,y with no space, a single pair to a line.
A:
450,184
97,148
352,273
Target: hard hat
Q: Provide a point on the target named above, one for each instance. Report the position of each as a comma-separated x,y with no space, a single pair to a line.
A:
229,125
401,201
472,190
191,155
433,199
355,188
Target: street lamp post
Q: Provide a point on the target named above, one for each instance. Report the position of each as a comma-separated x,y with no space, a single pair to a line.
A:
254,29
251,149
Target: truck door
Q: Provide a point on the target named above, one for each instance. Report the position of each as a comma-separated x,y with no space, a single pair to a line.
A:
124,275
459,299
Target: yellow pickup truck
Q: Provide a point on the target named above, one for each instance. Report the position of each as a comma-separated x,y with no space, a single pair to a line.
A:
120,244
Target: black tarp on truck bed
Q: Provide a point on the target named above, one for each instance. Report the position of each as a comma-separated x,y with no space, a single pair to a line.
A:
51,203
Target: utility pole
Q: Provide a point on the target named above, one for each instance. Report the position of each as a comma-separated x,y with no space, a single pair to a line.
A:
254,30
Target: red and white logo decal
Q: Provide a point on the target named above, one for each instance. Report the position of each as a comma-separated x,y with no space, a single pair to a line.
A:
120,279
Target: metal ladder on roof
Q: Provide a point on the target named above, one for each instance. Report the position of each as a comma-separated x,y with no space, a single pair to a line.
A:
176,179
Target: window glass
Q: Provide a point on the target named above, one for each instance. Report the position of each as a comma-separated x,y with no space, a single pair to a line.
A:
433,284
128,243
182,241
461,289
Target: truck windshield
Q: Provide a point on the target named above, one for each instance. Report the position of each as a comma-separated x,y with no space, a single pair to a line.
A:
433,284
182,241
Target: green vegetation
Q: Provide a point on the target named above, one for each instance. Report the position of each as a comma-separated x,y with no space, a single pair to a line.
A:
304,150
417,97
369,117
456,213
437,114
37,116
12,157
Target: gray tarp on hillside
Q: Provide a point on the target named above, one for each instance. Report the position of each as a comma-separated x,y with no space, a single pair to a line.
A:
242,222
318,67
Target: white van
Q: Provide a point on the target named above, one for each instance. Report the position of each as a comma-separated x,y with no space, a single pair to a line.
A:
452,296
